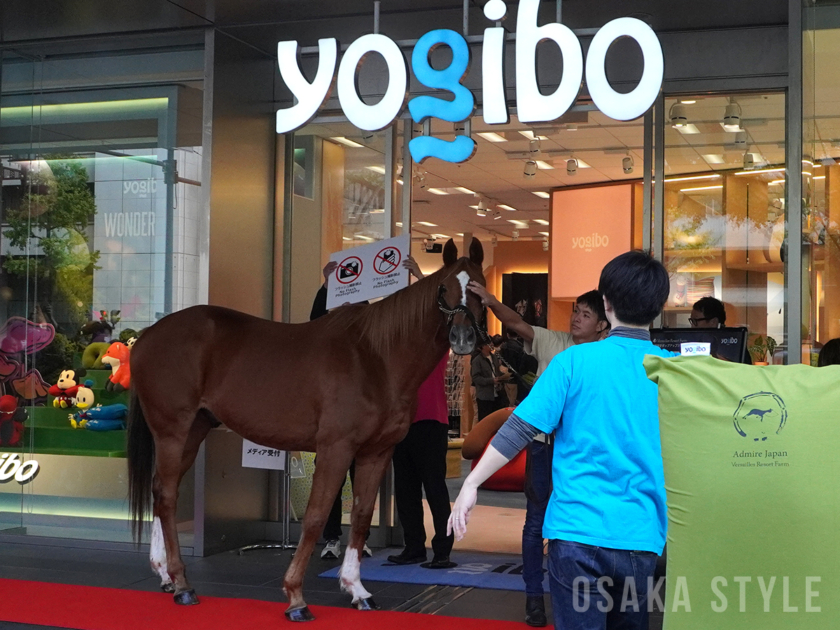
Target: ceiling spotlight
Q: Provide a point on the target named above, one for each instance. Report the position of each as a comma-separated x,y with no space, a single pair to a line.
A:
480,211
741,139
534,146
460,127
749,160
732,117
571,166
497,215
627,164
530,168
421,181
367,135
494,240
545,244
677,115
515,235
571,127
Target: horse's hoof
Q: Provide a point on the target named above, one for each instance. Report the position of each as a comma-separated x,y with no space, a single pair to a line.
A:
300,614
168,587
366,603
186,598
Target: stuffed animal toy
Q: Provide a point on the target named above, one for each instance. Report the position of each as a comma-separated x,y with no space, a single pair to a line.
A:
92,355
84,396
66,388
100,418
12,418
117,357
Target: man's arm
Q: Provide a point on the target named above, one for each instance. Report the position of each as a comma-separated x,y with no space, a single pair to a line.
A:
505,314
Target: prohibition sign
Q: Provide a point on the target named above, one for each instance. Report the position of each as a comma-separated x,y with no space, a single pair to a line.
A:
387,260
349,270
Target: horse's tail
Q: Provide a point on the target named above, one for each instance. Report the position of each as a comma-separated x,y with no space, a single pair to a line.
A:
141,461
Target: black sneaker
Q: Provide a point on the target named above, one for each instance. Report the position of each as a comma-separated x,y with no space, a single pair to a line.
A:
408,557
535,611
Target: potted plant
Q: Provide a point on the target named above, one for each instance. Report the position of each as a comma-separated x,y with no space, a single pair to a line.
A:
762,349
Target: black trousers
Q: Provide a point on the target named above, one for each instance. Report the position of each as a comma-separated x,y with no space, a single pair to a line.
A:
420,464
486,407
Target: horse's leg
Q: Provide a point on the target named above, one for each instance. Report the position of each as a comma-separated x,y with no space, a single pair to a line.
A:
157,549
369,471
330,473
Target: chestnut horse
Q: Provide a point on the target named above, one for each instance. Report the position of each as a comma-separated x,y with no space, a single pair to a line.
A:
358,369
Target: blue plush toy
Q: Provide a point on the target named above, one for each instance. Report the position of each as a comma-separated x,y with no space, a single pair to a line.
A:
100,418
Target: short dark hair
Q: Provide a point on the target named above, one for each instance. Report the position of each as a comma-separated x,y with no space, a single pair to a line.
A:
829,353
711,308
636,286
498,340
595,301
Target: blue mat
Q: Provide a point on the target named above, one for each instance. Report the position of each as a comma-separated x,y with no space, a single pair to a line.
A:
475,569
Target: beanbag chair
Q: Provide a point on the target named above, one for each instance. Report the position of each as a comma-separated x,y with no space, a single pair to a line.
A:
93,353
509,478
751,469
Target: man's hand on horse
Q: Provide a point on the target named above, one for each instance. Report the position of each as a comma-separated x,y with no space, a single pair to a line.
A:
487,298
460,515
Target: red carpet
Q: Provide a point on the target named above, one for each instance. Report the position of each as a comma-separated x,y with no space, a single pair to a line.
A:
93,608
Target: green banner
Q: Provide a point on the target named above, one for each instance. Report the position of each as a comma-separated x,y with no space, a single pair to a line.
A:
752,474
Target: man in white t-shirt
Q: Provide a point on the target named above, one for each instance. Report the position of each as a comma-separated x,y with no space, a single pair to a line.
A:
588,323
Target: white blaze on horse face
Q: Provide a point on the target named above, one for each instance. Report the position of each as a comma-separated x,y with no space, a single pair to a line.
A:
464,279
157,553
350,578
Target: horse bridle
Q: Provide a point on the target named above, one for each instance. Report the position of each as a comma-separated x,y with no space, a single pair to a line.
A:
481,332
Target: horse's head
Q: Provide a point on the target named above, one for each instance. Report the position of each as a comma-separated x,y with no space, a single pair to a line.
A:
465,313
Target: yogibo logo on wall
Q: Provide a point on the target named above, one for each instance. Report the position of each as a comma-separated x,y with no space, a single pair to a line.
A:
532,106
589,243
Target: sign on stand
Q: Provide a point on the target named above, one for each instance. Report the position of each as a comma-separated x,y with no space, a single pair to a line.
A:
257,456
368,272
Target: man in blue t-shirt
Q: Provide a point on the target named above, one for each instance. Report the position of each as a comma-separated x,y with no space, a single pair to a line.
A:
606,518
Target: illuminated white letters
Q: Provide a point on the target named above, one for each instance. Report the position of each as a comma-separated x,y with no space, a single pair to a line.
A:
637,102
372,117
22,472
493,69
531,104
309,96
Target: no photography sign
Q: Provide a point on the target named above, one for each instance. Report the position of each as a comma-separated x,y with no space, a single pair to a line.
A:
368,272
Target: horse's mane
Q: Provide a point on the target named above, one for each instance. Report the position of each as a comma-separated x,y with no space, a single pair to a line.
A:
387,322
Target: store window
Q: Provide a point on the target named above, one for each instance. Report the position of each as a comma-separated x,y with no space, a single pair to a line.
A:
821,180
724,223
99,239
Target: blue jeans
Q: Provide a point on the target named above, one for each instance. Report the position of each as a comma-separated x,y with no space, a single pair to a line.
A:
537,492
593,588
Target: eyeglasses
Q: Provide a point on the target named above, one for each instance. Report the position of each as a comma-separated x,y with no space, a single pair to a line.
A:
694,321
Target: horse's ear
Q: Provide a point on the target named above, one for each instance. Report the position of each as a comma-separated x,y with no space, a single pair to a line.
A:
476,252
450,253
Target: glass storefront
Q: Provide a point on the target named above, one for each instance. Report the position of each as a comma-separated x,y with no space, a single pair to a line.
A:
99,219
724,214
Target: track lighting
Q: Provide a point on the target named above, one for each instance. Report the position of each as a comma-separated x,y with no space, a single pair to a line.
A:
545,244
494,240
515,235
534,146
678,115
749,161
741,139
627,164
530,168
497,215
732,117
571,166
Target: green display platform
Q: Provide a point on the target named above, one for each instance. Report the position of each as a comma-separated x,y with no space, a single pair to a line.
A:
48,430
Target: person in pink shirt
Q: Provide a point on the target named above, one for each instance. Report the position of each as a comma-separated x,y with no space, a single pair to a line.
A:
420,464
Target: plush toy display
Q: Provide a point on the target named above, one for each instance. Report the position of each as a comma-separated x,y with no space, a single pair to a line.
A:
117,357
84,396
100,418
92,355
66,388
12,419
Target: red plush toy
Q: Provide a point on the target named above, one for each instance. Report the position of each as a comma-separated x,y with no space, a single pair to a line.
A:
11,421
117,356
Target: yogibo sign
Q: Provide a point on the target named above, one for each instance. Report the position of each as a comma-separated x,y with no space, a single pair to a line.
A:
12,468
532,106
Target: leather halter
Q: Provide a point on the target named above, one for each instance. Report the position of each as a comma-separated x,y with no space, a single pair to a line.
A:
480,331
